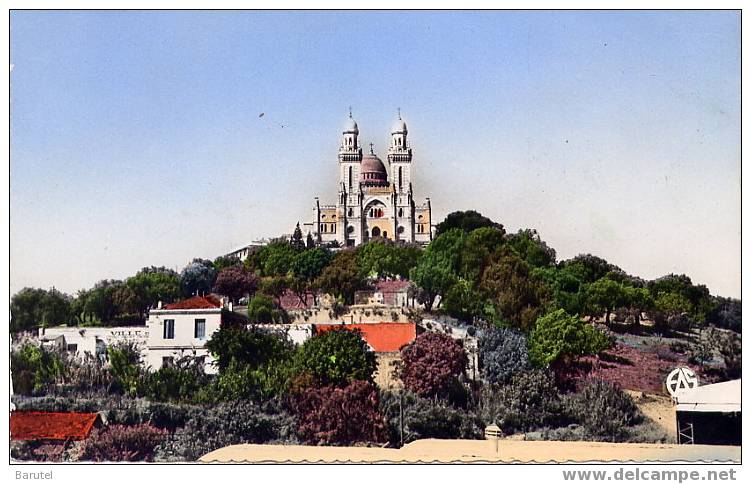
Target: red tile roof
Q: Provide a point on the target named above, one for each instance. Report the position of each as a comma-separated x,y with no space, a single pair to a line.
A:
27,425
196,302
400,285
382,337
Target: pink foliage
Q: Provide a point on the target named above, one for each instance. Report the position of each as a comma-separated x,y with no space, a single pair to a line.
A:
348,415
123,443
431,362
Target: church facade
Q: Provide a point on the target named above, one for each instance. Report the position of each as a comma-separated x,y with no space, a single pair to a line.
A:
374,200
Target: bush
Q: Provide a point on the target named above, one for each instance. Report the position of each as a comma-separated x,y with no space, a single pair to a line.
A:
335,357
117,410
34,369
431,363
125,366
503,353
603,409
558,336
340,416
123,443
261,309
179,383
530,401
226,424
426,418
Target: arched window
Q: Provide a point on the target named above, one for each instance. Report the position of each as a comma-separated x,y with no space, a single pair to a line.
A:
400,177
376,232
350,177
401,210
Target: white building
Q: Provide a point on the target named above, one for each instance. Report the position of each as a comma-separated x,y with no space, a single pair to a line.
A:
373,201
182,329
93,341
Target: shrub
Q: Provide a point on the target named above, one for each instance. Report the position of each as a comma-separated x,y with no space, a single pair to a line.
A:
340,416
125,361
227,424
179,383
530,401
431,363
335,357
503,353
35,368
558,336
603,409
425,418
123,443
261,309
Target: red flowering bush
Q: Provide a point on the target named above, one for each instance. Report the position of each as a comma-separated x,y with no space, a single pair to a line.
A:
431,363
123,443
331,415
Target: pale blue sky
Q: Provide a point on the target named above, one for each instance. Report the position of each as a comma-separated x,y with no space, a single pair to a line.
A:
135,136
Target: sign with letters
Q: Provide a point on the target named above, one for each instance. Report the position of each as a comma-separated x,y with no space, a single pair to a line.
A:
681,379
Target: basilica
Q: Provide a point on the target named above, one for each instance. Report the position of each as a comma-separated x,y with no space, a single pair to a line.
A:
373,201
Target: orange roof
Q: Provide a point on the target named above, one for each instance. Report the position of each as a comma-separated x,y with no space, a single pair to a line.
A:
28,425
196,302
382,337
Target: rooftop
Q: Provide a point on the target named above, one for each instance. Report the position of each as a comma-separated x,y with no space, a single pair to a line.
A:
28,425
382,337
197,302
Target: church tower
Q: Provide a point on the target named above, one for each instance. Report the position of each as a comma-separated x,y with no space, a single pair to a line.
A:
400,162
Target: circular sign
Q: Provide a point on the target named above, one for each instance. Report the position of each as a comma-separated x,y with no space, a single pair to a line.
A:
681,379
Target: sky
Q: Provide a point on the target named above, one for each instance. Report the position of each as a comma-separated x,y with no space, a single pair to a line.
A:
136,137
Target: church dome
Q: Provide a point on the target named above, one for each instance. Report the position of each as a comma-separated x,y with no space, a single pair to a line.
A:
372,170
399,126
351,126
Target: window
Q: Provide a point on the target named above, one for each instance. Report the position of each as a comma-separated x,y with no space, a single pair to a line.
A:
400,177
200,329
401,210
72,347
168,361
169,329
350,178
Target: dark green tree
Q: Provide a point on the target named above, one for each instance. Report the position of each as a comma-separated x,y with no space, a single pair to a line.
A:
335,357
342,277
467,221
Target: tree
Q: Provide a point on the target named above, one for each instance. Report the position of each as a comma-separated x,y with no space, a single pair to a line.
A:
466,221
243,347
341,278
640,300
335,357
433,278
431,363
343,416
384,258
476,251
517,296
588,268
309,242
560,337
235,282
276,258
198,277
604,296
670,310
463,302
297,241
33,308
307,267
225,261
262,310
101,301
134,443
503,353
154,284
533,250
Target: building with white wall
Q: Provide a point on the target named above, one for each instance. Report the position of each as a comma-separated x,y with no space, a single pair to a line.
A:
182,329
93,341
